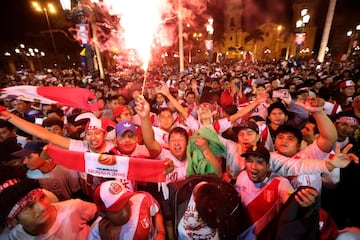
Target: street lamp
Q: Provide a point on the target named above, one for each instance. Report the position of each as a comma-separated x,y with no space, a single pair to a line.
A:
197,37
46,9
352,35
300,27
279,29
209,42
85,14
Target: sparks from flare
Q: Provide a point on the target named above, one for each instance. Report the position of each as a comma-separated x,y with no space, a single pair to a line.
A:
141,21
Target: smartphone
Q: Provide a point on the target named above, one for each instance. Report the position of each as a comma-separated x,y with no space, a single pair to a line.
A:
281,93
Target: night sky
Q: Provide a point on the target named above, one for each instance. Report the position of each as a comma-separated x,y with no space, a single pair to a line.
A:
19,21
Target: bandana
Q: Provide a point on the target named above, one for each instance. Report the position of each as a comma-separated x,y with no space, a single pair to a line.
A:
349,120
22,203
8,183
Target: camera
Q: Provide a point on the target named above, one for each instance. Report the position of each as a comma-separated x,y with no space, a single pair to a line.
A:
237,84
280,93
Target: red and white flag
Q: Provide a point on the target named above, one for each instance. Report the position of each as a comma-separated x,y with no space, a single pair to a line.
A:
62,96
83,33
109,166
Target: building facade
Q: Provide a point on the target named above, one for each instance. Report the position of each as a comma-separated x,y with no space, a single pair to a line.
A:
270,40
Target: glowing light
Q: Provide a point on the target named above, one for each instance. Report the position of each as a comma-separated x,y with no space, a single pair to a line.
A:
141,23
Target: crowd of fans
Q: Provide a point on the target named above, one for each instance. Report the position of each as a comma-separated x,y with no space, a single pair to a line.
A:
259,150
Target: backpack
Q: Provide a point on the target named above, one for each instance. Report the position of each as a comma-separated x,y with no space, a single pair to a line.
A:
180,193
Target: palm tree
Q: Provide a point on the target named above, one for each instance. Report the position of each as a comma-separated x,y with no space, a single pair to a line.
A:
255,36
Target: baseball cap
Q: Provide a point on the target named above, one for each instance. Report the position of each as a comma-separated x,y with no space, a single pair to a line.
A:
257,151
111,196
246,124
95,123
345,83
30,147
124,126
119,110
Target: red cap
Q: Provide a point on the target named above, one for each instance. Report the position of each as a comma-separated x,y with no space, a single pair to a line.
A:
119,110
111,196
346,83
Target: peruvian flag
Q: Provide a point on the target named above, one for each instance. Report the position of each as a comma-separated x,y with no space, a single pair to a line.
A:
109,166
64,96
83,33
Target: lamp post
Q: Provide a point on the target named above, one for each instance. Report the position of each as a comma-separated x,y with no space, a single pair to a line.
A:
82,12
197,37
300,27
352,35
278,31
209,42
45,9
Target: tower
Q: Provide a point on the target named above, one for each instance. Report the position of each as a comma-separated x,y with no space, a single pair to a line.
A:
233,34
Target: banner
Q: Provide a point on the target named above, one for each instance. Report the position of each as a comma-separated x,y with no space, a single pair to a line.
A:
83,33
300,38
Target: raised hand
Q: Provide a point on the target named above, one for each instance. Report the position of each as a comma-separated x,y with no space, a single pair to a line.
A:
286,98
342,159
312,104
202,143
169,166
142,107
164,90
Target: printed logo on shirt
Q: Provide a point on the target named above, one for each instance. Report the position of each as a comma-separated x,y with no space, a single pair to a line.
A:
145,223
268,195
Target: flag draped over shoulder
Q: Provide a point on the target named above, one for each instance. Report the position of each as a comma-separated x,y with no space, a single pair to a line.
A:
63,96
109,166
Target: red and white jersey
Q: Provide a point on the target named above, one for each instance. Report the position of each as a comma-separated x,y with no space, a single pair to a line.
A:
162,137
140,225
259,110
221,125
190,124
191,226
302,169
261,200
180,167
192,110
234,162
265,137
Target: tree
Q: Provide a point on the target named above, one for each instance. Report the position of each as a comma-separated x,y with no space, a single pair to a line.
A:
255,36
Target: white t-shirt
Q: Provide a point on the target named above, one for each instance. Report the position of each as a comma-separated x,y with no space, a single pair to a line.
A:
301,172
161,136
180,167
71,222
191,226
